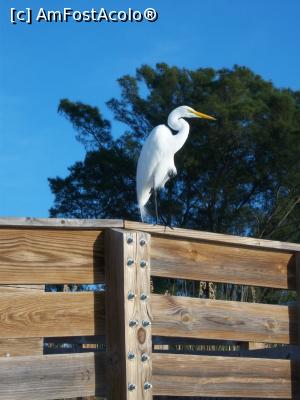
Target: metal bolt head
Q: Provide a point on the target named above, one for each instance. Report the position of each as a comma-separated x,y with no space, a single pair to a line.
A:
146,323
130,261
130,296
147,385
143,242
144,357
129,240
131,355
133,322
131,387
143,263
143,296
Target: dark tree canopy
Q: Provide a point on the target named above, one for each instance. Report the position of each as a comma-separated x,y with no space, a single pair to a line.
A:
238,175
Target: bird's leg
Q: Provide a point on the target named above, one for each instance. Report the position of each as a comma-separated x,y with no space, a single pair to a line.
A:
166,223
156,211
155,201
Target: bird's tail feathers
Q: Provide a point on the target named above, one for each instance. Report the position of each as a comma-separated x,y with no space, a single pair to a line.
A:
143,197
144,212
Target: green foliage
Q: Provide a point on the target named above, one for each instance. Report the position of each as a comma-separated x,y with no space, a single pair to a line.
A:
238,175
92,130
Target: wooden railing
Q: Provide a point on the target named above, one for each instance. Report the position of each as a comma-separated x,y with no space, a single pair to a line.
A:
127,319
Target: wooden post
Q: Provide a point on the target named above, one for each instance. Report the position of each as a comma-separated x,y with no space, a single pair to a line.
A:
128,315
297,257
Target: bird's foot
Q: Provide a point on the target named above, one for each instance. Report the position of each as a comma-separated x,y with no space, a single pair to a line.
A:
165,223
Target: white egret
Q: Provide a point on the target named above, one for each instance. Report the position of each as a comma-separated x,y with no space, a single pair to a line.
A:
156,161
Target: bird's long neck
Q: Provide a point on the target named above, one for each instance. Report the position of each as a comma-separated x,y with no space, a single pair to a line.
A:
183,128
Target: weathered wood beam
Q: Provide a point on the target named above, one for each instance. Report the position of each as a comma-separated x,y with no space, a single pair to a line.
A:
64,223
224,320
215,262
51,256
160,230
52,377
128,326
51,314
195,375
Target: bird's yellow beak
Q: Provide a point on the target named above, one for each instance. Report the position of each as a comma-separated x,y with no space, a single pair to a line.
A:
201,115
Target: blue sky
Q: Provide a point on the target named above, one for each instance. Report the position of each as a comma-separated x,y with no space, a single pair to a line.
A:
42,63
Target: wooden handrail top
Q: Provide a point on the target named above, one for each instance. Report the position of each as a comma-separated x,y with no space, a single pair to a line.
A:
189,234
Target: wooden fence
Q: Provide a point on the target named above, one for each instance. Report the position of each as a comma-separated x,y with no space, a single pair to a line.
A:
130,319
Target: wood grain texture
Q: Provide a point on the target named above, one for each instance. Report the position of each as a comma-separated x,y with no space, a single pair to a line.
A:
224,320
122,338
51,256
64,376
24,288
160,230
141,310
52,377
21,347
297,257
51,314
189,375
115,306
63,223
178,258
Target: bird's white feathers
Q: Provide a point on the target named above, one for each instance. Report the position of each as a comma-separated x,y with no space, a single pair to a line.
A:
155,162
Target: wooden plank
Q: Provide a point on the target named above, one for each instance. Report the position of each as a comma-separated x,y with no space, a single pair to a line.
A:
21,347
51,256
127,280
189,375
51,314
224,320
24,288
160,230
143,338
52,376
76,314
213,262
63,376
63,223
297,257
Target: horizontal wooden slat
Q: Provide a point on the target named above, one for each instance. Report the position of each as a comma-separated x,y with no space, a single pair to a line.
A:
25,288
161,230
61,376
189,375
177,258
75,223
77,314
64,223
36,256
51,314
224,320
52,376
21,347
